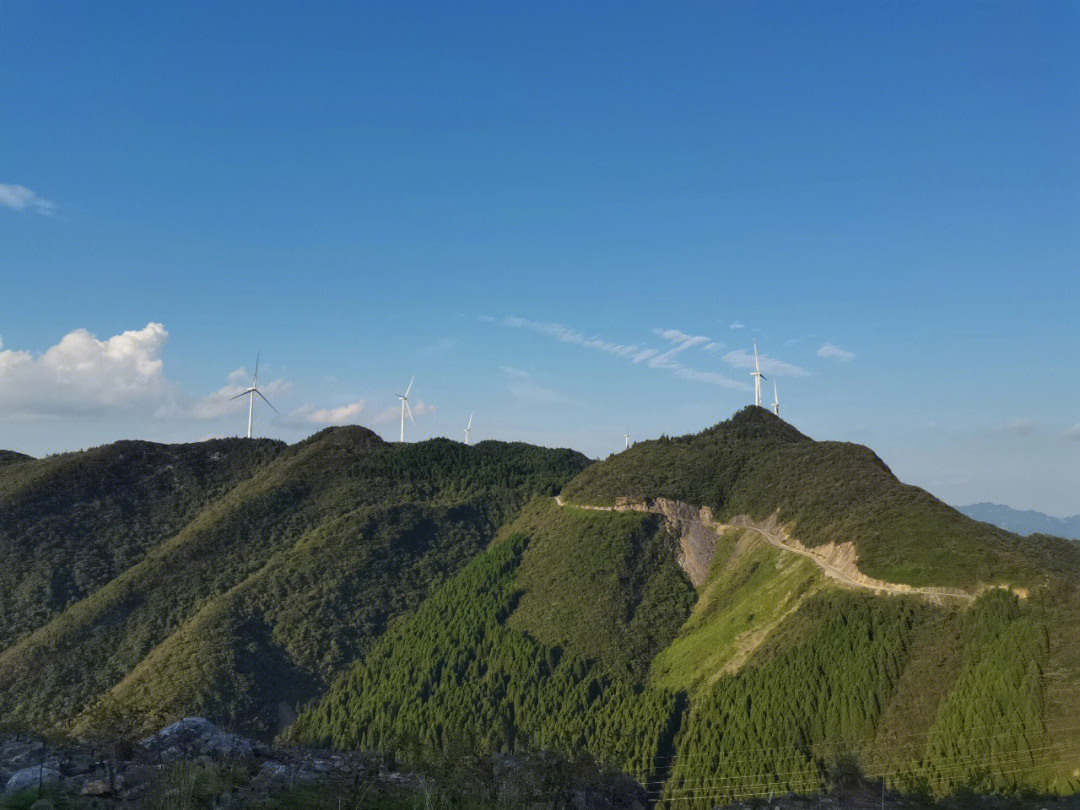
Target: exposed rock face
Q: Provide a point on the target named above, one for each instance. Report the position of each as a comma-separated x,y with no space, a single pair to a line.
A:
30,778
194,737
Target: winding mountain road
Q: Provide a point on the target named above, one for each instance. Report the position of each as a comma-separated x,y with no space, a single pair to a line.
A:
857,580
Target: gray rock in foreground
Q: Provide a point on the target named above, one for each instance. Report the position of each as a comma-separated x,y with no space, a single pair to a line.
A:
31,778
195,737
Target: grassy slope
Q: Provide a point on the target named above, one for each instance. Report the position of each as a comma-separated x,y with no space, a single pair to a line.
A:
757,464
70,523
52,675
747,594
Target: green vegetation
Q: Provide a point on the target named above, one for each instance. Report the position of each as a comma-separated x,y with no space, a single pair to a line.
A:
751,587
275,584
607,586
456,670
70,523
757,464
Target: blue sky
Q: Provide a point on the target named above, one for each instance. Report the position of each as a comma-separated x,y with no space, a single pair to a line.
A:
571,219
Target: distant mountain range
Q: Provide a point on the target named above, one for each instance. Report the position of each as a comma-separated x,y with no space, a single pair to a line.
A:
1023,521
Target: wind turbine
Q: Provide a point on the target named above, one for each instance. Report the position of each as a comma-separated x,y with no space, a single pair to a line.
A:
626,438
251,392
775,400
468,430
758,377
405,407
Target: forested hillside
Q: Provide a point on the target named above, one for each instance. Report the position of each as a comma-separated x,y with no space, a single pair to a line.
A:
70,523
758,465
274,584
436,598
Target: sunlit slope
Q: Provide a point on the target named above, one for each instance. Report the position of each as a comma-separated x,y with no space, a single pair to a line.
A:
67,665
460,676
755,464
72,522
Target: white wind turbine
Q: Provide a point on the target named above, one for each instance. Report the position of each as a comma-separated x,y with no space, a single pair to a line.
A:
250,393
405,407
775,400
468,430
626,439
758,377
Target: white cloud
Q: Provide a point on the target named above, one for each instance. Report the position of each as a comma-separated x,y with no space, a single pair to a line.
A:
736,325
831,350
84,375
1073,432
1019,427
741,358
224,400
393,413
21,198
653,358
344,415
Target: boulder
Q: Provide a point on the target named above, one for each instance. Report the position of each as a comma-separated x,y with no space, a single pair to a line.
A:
195,737
103,787
31,778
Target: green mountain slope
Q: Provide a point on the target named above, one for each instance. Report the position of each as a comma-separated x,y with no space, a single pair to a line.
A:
431,597
70,523
69,664
755,464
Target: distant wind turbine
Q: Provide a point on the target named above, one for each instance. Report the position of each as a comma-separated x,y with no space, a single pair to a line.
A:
468,430
250,393
775,400
626,438
758,377
405,407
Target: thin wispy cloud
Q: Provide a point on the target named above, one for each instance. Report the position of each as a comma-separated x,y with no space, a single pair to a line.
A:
736,325
21,198
662,358
833,352
522,386
740,358
393,413
1073,432
1016,427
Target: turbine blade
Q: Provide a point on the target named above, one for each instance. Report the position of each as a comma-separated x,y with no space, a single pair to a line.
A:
264,399
257,366
409,410
407,390
470,422
242,394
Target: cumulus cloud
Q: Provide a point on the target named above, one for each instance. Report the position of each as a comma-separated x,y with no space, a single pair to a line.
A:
650,356
343,415
834,352
1073,432
22,199
740,358
83,375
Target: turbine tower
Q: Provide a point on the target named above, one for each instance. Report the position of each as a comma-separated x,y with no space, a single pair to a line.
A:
405,407
775,400
626,438
468,430
250,393
758,377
